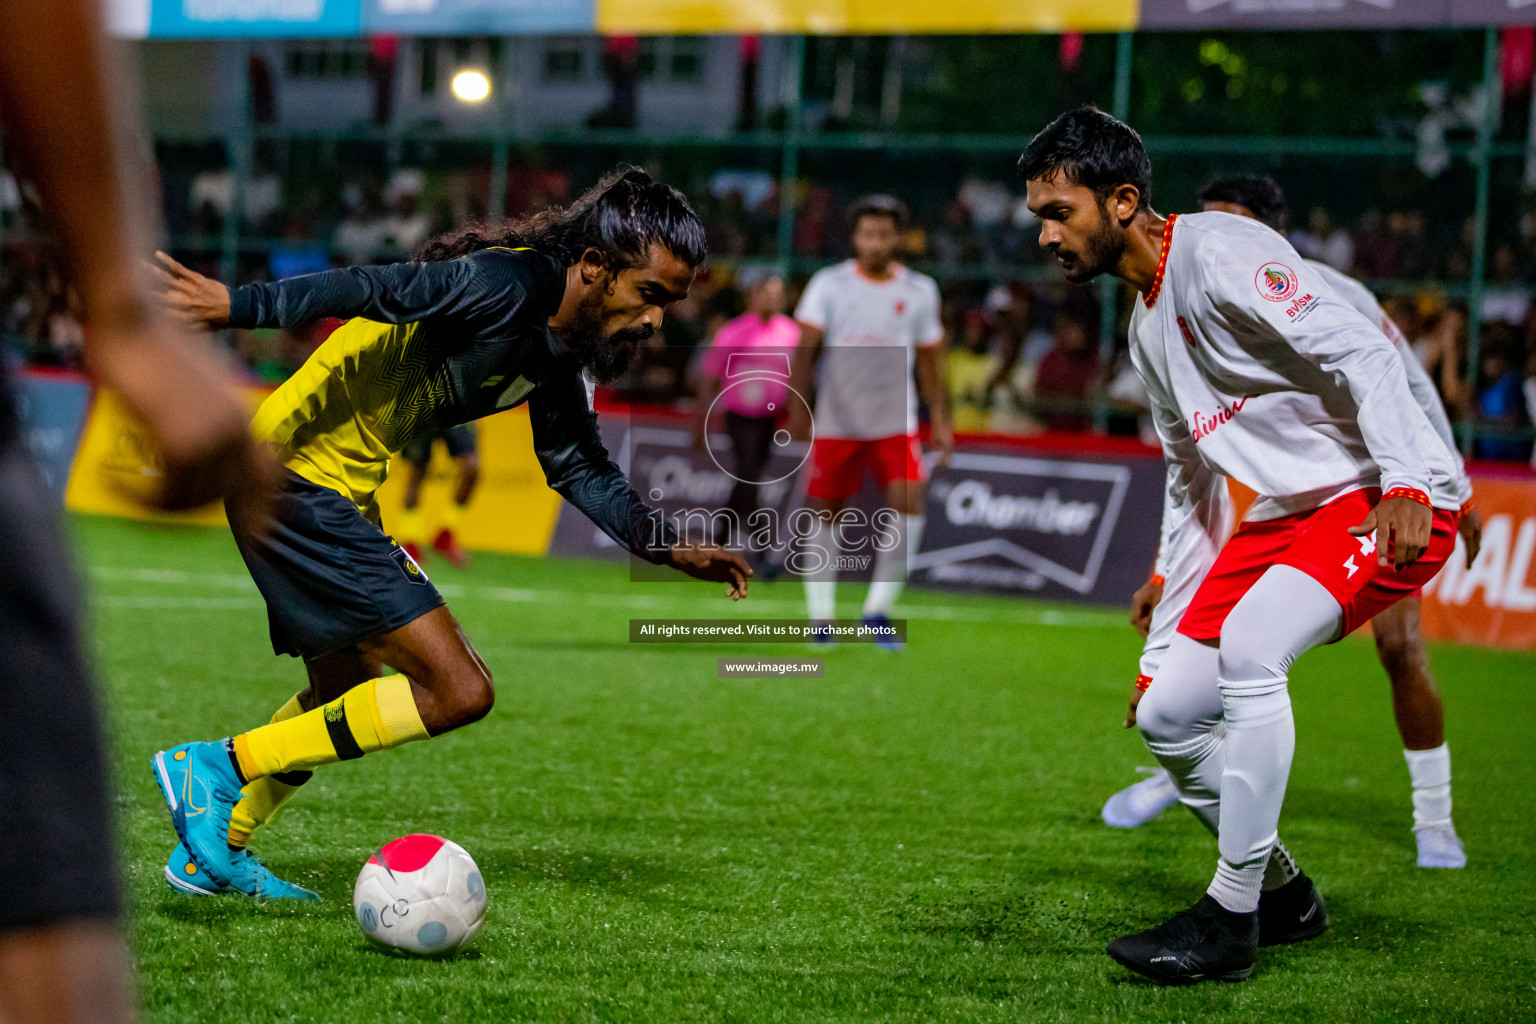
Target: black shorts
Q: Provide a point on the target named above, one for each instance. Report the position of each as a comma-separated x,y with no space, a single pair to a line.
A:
460,441
330,576
55,830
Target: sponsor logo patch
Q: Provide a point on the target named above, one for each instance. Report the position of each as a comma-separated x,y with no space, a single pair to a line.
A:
1276,282
514,393
1298,309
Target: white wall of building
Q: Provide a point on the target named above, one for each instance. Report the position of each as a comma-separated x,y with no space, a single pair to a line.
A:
191,86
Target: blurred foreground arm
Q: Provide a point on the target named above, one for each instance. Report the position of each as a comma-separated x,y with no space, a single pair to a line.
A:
59,94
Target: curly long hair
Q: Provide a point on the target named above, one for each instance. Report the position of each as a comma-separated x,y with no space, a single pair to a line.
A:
621,216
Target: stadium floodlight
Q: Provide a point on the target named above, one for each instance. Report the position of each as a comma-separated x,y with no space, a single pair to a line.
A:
471,86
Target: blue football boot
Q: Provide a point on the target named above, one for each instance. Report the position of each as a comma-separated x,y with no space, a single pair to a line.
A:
887,642
183,874
253,878
201,788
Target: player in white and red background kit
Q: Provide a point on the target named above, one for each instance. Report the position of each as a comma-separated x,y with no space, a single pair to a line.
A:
1258,371
868,321
1399,641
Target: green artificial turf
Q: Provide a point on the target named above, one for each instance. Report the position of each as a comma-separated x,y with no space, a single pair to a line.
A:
913,838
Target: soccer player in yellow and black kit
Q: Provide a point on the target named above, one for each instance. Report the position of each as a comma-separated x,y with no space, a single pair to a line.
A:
483,320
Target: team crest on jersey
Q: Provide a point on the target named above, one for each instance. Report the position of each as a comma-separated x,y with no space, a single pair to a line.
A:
1276,282
407,564
901,307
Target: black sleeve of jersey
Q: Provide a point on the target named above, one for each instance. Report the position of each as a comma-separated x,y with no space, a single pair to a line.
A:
485,287
577,466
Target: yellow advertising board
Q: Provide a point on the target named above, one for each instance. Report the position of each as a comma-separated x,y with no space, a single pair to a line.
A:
116,466
513,509
829,17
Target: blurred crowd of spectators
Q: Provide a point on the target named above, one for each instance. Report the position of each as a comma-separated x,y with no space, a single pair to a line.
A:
1025,351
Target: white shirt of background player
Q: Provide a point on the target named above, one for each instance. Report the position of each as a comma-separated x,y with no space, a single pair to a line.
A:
870,333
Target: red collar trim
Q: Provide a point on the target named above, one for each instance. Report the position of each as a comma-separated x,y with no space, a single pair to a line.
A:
1162,263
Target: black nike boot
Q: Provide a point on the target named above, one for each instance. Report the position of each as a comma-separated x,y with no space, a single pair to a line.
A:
1292,913
1205,941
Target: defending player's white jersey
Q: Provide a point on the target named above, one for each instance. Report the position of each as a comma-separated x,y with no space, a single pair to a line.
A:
1305,448
1256,369
871,332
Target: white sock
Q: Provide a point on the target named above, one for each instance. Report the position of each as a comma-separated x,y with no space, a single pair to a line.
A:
1181,722
1261,739
1236,886
1430,771
821,585
1283,615
894,566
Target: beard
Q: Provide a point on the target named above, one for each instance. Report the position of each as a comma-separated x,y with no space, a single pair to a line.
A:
603,358
1101,251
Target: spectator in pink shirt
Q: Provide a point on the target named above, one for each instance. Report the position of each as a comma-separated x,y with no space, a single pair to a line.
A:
744,374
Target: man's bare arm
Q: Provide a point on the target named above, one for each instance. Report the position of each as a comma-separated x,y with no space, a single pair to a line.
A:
935,384
802,376
706,387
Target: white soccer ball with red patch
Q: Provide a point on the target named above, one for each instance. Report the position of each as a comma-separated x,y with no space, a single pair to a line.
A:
421,894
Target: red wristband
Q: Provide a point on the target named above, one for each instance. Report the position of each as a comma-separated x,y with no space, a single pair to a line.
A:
1471,503
1411,493
1143,681
1157,580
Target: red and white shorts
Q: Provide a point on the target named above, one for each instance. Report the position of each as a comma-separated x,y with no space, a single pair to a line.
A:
837,464
1318,543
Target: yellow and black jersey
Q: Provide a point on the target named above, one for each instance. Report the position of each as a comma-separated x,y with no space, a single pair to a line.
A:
429,346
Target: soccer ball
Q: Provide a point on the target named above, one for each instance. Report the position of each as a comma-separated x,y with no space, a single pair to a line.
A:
421,894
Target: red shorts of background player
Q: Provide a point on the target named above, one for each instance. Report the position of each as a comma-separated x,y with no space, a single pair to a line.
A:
1319,544
837,464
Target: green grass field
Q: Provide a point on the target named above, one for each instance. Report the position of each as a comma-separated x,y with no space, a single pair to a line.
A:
913,838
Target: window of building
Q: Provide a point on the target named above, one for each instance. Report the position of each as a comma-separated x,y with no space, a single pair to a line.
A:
677,59
565,59
428,50
327,58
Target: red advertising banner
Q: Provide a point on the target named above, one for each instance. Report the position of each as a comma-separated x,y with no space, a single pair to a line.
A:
1493,601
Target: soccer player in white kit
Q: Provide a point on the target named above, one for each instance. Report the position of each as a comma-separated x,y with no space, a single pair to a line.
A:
868,320
1258,371
1399,641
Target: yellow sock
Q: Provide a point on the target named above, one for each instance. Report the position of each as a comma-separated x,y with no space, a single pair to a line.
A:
409,528
376,715
453,515
261,799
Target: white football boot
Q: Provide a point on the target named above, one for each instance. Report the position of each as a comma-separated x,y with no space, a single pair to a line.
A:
1439,846
1136,805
